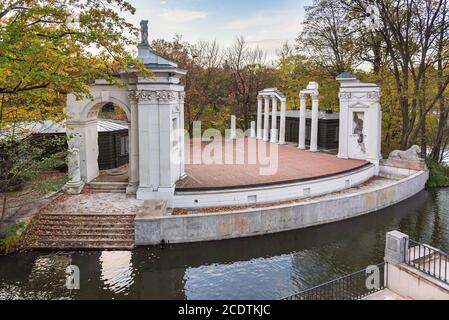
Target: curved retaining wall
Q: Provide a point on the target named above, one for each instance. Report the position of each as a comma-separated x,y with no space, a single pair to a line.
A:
274,193
219,226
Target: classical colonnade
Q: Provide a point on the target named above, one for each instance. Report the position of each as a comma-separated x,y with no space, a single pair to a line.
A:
312,90
263,131
263,106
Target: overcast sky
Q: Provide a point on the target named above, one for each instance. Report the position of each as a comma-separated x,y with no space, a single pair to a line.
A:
263,23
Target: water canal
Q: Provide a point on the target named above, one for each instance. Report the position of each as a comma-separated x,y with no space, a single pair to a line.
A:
266,267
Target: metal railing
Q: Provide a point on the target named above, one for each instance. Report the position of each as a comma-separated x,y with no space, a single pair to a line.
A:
351,287
431,261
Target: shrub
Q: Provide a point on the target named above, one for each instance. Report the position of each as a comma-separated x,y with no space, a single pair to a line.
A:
439,175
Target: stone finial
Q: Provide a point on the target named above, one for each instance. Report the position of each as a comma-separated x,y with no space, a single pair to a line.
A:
144,32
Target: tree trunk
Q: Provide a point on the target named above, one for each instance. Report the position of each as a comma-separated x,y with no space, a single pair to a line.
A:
3,208
438,148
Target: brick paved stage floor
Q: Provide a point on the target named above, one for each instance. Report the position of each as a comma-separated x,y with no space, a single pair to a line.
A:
293,166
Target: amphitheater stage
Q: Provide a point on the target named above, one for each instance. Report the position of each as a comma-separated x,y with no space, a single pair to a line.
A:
290,165
277,173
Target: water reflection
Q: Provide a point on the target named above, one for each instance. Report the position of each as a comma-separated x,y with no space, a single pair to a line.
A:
266,267
117,271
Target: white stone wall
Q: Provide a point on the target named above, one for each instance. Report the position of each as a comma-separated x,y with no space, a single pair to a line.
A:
253,222
362,100
267,194
410,283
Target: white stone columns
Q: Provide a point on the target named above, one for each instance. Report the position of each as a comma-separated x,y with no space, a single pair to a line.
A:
233,135
302,122
282,122
343,126
159,143
148,142
253,130
133,149
266,127
312,90
259,118
87,136
314,129
274,119
182,133
274,135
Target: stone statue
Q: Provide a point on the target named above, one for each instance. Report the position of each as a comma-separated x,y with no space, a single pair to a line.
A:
358,130
412,154
144,32
73,163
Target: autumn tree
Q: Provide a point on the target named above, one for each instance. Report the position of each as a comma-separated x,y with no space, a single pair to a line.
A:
327,37
54,47
50,48
250,73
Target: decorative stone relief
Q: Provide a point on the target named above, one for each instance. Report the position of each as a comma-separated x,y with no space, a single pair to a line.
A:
345,95
166,96
358,123
373,95
153,95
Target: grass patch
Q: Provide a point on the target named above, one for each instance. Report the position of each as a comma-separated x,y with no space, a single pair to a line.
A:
14,237
439,175
51,184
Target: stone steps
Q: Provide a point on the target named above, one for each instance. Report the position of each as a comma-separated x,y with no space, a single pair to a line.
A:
82,245
107,187
83,232
92,218
56,229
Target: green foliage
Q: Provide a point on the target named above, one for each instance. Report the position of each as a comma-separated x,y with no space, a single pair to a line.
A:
25,156
46,186
47,52
14,236
439,175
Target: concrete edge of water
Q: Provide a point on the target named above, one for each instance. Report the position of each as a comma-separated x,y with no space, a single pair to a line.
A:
260,221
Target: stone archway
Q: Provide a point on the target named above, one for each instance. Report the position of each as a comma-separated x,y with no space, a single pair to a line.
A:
83,136
155,109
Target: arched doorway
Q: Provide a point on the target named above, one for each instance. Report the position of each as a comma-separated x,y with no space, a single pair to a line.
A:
82,129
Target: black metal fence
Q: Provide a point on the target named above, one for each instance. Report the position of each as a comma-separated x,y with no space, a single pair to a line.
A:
429,260
355,286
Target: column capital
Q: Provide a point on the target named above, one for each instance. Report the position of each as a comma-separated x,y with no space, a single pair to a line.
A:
303,96
315,96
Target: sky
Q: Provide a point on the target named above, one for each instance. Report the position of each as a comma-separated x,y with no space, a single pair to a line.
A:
263,23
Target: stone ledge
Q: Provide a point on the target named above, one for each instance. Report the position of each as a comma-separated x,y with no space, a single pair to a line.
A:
254,222
403,164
